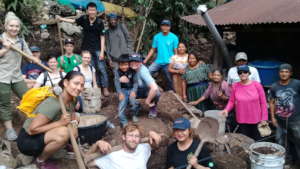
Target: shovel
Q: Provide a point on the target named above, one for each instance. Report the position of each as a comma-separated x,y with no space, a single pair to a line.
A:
207,131
195,120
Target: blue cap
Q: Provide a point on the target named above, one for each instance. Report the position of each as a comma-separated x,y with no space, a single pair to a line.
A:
135,58
35,49
112,16
243,68
165,22
181,123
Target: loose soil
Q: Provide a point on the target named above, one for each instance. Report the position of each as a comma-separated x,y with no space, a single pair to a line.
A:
168,107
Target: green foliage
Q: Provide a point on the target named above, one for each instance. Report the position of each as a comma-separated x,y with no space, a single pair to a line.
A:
25,9
165,9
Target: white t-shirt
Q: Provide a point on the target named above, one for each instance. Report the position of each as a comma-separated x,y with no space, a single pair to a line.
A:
55,78
124,160
88,75
234,77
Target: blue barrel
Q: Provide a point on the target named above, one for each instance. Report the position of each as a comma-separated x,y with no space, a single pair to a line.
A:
268,71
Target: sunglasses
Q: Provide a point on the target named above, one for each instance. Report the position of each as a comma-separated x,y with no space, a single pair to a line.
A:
242,71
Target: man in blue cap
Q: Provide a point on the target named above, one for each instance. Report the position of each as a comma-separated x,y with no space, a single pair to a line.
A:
147,87
165,43
31,71
180,153
118,40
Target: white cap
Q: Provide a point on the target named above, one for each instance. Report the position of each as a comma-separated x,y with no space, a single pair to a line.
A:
241,56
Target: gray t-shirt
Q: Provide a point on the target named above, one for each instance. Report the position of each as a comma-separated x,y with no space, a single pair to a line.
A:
287,100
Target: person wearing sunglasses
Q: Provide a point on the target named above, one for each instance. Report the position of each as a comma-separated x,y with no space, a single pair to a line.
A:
241,59
249,100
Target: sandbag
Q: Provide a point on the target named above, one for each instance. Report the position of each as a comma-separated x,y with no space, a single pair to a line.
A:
91,100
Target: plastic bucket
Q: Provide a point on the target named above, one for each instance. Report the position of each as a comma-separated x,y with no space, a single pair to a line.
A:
268,71
266,155
216,115
93,130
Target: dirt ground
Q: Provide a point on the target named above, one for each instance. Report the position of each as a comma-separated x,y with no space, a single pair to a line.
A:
168,108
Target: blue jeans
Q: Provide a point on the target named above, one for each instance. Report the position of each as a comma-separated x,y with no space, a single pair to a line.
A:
291,131
142,93
155,67
100,66
123,105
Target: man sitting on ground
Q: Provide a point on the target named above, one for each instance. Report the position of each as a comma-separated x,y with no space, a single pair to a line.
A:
133,155
147,87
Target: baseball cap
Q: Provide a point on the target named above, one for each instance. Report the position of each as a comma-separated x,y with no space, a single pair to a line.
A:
244,68
35,49
285,66
181,123
165,22
135,57
241,56
112,16
69,41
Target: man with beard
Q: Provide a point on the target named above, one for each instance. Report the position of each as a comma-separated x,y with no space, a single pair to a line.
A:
285,111
118,40
133,155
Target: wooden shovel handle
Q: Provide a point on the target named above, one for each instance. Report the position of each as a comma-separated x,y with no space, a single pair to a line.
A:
75,146
184,105
197,152
33,59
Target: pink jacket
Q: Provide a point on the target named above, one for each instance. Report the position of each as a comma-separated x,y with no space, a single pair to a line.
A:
249,102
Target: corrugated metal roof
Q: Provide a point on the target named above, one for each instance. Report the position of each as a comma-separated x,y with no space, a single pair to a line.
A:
248,12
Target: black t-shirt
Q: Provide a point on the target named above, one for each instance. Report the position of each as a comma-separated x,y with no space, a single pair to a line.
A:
91,33
287,100
178,159
130,75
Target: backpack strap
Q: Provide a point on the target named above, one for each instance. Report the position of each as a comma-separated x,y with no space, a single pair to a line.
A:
45,78
61,75
91,67
46,75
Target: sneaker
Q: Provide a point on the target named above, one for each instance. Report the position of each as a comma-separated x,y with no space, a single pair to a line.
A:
46,165
135,119
11,134
152,113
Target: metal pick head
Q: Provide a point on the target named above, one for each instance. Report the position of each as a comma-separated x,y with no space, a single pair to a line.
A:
57,90
201,9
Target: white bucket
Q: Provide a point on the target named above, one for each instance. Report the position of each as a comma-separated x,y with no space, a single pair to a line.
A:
216,115
261,160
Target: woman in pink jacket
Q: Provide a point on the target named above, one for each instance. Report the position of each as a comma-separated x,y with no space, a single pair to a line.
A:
248,99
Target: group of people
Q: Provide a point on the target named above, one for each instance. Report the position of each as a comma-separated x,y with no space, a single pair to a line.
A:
195,81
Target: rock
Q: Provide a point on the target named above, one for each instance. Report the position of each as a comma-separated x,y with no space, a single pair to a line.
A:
70,29
6,157
32,166
24,159
8,160
228,161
